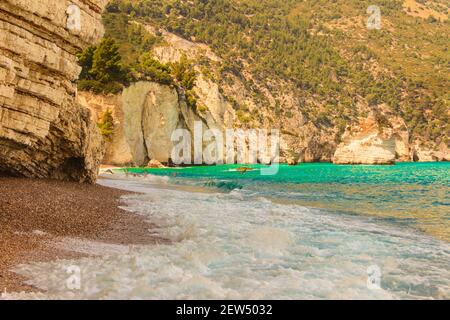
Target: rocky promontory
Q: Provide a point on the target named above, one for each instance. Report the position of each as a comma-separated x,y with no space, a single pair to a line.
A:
367,143
382,138
43,131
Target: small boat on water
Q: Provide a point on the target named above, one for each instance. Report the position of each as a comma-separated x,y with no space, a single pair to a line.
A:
244,170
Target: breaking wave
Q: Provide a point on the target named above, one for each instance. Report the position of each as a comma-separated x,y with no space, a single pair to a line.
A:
235,246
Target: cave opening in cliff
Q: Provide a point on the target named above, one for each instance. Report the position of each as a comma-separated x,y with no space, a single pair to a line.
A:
71,167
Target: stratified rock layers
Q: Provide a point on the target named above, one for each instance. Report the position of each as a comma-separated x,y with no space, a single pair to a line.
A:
44,132
367,143
370,142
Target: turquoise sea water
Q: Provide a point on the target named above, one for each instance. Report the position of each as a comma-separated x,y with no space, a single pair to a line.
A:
413,194
314,231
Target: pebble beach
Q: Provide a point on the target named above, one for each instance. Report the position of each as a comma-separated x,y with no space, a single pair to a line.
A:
34,214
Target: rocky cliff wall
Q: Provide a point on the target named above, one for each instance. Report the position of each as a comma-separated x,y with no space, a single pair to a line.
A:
306,134
43,131
384,141
145,115
367,143
373,136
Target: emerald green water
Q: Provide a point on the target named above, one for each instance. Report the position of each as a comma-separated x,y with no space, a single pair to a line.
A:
416,195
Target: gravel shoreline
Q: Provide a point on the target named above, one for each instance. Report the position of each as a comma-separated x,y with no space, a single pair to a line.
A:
36,213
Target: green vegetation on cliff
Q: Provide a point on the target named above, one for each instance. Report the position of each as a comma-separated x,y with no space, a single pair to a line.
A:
124,56
106,124
322,47
102,70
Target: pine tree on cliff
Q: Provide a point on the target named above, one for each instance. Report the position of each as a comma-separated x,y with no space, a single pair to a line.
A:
85,60
102,69
106,62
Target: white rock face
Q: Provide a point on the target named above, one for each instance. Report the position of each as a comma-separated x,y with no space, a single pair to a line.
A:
175,47
368,148
220,113
131,105
145,116
422,153
367,143
160,118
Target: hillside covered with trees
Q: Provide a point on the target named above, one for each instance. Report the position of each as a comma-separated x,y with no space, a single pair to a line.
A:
320,49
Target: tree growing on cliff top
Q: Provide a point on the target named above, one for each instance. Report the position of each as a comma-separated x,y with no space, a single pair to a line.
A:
85,61
184,73
102,70
185,76
154,70
106,62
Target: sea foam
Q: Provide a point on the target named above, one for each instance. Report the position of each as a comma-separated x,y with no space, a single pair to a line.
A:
230,246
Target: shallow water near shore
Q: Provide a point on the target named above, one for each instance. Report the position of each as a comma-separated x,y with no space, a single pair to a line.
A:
413,194
314,231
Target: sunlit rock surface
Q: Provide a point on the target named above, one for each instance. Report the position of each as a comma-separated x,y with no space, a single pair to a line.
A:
44,132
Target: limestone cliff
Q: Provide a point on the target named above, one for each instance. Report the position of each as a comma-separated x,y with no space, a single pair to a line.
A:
243,102
370,134
146,113
145,116
367,143
421,152
43,131
374,134
384,139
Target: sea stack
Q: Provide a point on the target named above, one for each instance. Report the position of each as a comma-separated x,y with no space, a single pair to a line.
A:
44,132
